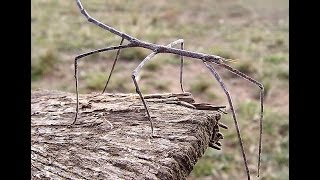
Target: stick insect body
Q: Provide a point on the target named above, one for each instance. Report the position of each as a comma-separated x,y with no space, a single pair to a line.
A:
207,59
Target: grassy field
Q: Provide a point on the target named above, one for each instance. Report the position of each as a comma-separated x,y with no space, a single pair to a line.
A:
253,32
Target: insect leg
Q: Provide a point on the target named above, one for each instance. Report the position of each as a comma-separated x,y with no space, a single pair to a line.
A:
138,69
87,54
218,78
181,68
134,74
114,63
246,77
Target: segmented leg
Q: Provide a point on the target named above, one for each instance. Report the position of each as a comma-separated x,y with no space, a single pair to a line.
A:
87,54
114,63
238,73
138,69
218,78
138,43
181,68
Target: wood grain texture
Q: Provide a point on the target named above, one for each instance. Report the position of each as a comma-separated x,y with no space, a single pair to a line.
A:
111,139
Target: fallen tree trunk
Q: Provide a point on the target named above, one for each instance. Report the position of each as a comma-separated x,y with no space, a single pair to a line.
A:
111,138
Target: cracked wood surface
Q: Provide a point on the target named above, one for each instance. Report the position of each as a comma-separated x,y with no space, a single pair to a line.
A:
111,139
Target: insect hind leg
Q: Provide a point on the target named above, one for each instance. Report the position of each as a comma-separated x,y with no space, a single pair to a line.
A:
138,69
218,78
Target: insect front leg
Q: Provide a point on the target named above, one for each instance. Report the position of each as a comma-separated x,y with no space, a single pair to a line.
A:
76,68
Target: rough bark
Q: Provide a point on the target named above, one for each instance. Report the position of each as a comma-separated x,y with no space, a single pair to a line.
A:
111,139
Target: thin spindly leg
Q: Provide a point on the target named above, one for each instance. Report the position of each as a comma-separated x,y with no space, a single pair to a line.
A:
114,63
134,74
181,68
138,69
218,78
238,73
87,54
181,41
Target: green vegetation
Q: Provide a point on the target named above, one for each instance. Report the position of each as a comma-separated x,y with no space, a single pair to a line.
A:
44,65
160,85
275,155
220,51
276,58
203,87
153,66
200,85
97,80
203,168
137,54
245,66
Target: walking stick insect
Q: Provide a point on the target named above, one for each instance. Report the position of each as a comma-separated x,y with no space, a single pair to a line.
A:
207,60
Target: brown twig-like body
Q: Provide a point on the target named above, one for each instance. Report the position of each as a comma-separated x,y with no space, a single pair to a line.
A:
206,58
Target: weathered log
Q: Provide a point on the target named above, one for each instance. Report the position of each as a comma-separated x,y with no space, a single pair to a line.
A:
111,139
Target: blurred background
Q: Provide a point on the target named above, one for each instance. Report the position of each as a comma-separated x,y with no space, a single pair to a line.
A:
254,32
